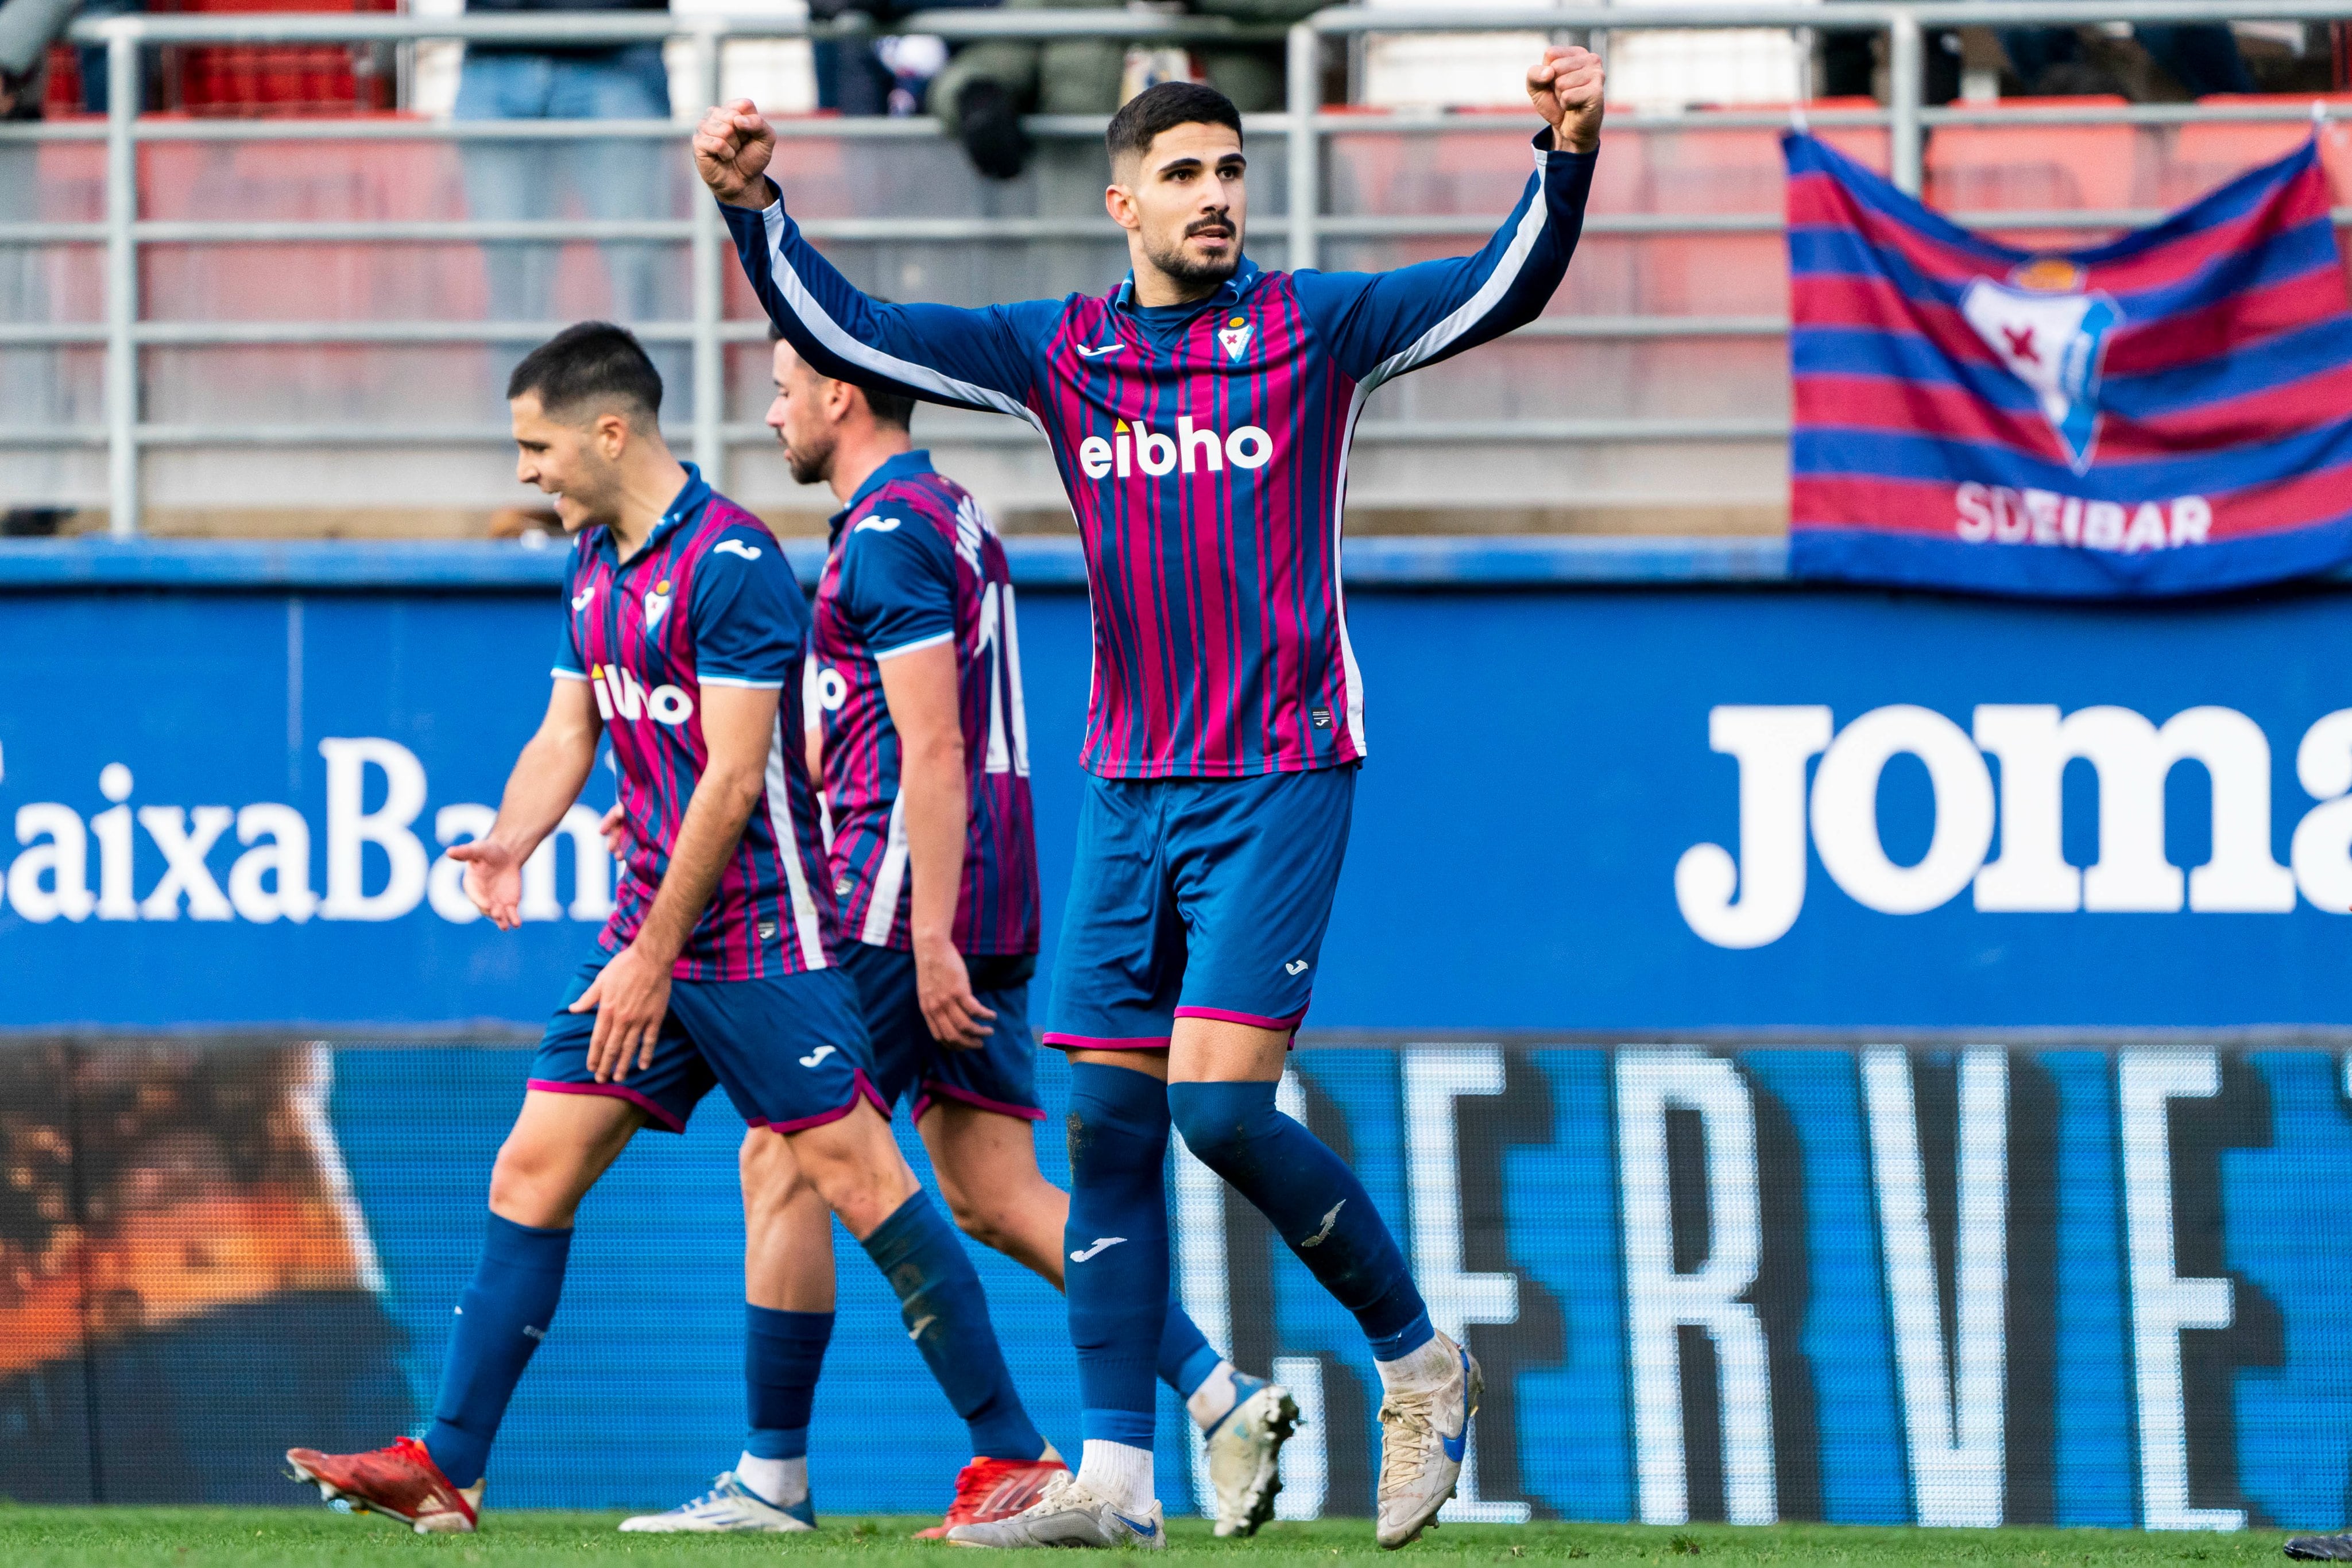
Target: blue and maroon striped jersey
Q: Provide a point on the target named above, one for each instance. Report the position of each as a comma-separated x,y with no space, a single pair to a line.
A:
1207,465
914,562
708,602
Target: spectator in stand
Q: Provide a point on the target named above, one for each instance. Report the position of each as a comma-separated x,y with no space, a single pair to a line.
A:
27,28
886,76
531,180
987,87
1850,62
2050,62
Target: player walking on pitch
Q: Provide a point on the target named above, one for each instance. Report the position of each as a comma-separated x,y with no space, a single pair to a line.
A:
1200,416
924,743
683,645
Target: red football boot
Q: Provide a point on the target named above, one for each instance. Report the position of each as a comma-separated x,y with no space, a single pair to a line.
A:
400,1482
996,1488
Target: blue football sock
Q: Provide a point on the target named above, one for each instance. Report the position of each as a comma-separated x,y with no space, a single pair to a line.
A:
946,1315
1315,1202
1185,1356
1117,1247
501,1318
782,1354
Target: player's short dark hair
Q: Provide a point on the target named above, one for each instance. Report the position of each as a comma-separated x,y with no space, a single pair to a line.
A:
889,408
593,361
1139,123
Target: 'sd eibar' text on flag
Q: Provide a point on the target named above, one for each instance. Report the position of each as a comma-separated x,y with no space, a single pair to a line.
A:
2170,413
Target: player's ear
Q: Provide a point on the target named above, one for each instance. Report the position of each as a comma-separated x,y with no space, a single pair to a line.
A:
611,434
1119,202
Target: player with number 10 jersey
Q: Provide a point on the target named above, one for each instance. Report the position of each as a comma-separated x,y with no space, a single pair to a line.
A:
916,565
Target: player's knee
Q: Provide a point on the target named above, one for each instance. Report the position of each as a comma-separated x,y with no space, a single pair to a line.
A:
1117,1124
532,1184
857,1168
985,1219
1223,1124
766,1165
771,1177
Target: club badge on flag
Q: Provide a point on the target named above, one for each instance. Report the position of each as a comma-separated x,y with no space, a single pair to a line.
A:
2170,413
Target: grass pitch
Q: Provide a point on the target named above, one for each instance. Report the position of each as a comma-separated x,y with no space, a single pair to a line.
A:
301,1538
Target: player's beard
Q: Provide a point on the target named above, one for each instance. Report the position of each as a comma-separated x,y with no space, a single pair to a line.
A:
808,467
1181,268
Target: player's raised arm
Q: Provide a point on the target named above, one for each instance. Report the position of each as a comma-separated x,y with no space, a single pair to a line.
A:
966,358
546,779
1380,325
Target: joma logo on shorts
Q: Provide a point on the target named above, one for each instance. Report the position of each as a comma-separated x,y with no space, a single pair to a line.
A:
618,694
1188,450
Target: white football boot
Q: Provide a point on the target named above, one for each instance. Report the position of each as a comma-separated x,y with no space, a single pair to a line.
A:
1424,1436
1068,1515
729,1506
1244,1453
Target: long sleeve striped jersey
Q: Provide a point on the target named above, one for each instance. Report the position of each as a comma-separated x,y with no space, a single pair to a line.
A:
913,563
1207,468
709,600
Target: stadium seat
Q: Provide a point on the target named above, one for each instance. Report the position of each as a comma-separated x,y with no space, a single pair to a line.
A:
2203,156
2044,168
278,79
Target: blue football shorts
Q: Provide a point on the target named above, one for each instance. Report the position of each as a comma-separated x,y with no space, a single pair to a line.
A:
1197,898
789,1049
1000,1074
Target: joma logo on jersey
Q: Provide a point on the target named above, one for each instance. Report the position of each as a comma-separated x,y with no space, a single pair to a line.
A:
618,694
1188,450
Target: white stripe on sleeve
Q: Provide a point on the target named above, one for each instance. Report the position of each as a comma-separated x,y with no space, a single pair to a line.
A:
1478,307
805,927
882,913
829,332
920,643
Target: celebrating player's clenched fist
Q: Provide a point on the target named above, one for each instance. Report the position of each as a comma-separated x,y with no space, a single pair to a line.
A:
1566,86
731,149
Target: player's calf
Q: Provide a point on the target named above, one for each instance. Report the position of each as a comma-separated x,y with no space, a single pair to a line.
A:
853,1162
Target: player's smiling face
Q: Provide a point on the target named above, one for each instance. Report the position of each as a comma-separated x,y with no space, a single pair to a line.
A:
569,461
1184,202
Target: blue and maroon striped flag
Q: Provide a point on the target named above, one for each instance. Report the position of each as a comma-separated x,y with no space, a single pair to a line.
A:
2170,413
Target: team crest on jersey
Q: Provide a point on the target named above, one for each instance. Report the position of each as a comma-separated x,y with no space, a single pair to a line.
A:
1236,335
658,604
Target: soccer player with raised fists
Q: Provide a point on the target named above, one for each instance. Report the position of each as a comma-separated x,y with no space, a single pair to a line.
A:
1200,415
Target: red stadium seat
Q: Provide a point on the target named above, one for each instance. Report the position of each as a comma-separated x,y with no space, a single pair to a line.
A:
2208,155
2045,168
278,79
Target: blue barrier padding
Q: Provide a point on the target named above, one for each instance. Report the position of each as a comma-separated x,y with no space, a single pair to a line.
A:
1398,561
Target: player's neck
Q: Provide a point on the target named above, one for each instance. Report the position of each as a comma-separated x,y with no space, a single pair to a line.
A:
649,482
860,452
1154,287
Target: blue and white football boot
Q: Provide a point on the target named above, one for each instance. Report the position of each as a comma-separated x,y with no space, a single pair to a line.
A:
1068,1515
1424,1436
729,1506
1245,1454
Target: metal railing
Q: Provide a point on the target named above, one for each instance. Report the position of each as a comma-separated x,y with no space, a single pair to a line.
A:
1304,225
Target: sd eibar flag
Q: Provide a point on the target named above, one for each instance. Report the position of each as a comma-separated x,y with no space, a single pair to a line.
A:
2166,413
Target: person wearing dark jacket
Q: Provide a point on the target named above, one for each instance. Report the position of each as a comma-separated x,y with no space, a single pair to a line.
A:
987,87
